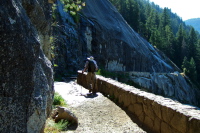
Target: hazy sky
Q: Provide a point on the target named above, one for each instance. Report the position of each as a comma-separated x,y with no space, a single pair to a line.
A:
186,9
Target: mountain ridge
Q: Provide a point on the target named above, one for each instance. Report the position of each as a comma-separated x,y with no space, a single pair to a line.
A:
194,22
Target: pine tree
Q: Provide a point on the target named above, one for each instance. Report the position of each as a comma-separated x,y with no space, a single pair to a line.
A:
192,44
198,60
177,46
164,21
169,40
135,16
155,38
150,24
192,70
185,66
184,49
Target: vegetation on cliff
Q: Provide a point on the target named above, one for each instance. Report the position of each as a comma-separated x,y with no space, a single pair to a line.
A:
166,31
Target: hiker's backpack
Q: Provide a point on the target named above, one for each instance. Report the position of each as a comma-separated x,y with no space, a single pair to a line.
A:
91,66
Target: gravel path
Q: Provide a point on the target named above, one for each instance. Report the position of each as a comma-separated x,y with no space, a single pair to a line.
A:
96,114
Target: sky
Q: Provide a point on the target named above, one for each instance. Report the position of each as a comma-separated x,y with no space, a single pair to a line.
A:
186,9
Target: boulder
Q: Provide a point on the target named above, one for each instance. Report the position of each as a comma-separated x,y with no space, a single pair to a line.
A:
26,75
62,113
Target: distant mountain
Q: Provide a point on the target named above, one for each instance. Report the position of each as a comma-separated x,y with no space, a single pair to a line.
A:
195,22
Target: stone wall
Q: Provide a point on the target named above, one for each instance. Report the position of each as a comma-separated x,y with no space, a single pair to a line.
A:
156,113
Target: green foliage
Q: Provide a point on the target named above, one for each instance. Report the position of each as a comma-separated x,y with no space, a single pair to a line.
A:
193,70
52,127
52,40
120,76
189,68
185,66
62,125
106,73
58,100
55,65
53,11
73,7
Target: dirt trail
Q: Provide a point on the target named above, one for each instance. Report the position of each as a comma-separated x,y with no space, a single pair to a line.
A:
96,114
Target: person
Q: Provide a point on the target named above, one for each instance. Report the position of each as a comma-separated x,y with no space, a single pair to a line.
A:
91,67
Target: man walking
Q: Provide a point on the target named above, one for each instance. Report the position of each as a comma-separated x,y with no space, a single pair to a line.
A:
91,67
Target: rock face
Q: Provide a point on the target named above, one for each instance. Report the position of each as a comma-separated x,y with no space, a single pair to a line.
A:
103,33
172,85
70,45
116,45
26,77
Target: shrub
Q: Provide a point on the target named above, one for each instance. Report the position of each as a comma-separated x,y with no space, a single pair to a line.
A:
52,127
58,100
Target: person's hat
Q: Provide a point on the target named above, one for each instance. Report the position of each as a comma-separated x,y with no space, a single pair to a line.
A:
90,58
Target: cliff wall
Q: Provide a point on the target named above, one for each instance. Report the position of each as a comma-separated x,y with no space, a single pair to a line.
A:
26,75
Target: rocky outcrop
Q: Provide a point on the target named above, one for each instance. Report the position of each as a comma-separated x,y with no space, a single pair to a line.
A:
26,77
171,85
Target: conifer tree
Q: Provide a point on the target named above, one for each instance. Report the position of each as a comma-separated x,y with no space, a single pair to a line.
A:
185,66
192,70
177,46
168,42
192,44
135,16
150,24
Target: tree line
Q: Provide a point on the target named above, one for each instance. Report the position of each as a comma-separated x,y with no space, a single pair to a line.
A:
166,31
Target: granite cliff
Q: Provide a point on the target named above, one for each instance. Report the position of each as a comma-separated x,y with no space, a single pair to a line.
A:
103,33
26,74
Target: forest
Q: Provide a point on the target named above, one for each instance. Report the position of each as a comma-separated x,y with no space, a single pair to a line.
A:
166,31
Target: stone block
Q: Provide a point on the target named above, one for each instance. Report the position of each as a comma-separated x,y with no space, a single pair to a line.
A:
156,125
138,109
165,128
133,98
179,121
127,99
194,125
167,114
148,111
148,122
116,91
131,108
157,109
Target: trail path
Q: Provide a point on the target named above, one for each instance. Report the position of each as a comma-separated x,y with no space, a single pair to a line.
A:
96,114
